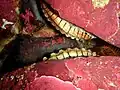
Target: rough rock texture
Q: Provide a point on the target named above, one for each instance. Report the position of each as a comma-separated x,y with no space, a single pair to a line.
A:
8,19
7,10
101,21
51,83
34,49
91,73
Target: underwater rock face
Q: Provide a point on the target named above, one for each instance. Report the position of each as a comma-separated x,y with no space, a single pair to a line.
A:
90,73
8,10
51,83
8,19
101,18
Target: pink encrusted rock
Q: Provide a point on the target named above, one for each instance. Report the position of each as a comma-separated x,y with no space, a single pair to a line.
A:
102,21
8,10
91,73
50,83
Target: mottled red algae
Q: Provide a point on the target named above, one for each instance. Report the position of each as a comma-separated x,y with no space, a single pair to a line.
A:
7,10
102,21
91,73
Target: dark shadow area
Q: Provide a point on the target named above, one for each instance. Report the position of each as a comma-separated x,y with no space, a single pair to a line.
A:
10,62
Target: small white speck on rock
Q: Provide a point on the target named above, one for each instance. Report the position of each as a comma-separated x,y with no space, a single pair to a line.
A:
12,77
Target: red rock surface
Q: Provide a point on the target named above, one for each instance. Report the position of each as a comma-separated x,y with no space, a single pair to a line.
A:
91,73
50,83
7,10
8,19
103,22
